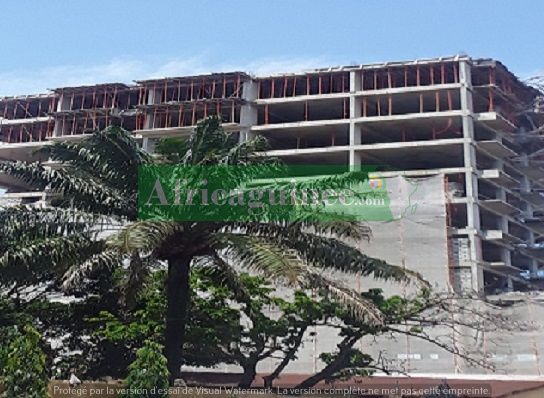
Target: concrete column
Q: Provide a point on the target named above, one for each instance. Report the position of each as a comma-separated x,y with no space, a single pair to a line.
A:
64,103
355,130
149,121
148,144
355,160
471,188
58,130
509,284
503,220
248,112
503,223
471,179
153,97
525,185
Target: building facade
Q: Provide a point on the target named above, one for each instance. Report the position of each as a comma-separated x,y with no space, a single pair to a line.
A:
467,125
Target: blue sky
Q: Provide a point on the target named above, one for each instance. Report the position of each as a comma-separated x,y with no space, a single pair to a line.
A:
47,44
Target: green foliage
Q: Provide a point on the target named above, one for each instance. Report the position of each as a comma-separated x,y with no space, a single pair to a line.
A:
7,335
357,364
347,361
25,374
212,325
173,149
279,333
66,324
145,322
148,374
214,333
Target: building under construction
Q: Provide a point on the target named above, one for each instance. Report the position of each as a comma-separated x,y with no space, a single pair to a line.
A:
467,130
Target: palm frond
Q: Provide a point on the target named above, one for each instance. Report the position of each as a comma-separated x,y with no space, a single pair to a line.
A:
57,252
206,140
25,222
223,273
83,193
111,154
361,308
136,274
249,153
262,255
355,231
78,271
142,236
325,251
170,150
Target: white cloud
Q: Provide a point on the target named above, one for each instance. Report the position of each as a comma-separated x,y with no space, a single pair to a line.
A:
126,70
38,81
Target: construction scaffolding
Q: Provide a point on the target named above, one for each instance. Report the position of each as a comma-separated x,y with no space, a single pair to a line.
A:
26,132
310,84
27,107
26,118
181,102
84,109
187,113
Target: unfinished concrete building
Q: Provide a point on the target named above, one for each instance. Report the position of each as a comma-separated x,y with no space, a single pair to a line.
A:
466,129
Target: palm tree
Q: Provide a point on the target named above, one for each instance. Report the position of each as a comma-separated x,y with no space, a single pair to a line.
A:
93,226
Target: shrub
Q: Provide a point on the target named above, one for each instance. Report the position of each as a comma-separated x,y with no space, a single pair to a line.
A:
7,335
148,374
25,374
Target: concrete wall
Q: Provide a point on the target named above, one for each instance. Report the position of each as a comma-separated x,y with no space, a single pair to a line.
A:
419,242
519,352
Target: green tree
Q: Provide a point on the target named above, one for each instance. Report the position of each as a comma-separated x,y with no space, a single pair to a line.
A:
25,373
148,374
303,312
280,332
65,323
93,226
212,326
100,338
7,335
415,316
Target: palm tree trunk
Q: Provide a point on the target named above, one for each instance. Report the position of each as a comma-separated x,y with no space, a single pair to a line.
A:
176,313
